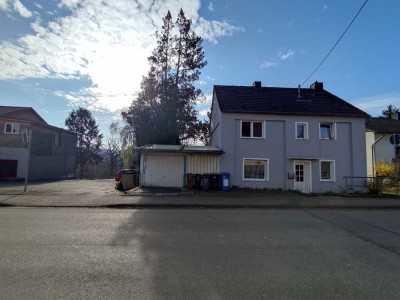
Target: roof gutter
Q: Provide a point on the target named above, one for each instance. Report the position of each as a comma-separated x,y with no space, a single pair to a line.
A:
212,132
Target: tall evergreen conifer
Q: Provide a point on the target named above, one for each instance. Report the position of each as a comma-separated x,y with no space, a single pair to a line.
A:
89,140
163,112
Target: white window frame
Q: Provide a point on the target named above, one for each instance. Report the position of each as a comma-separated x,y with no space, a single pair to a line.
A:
332,131
266,170
251,129
14,128
305,124
332,170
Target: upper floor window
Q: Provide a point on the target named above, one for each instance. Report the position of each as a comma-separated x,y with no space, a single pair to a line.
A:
301,130
327,131
252,129
11,128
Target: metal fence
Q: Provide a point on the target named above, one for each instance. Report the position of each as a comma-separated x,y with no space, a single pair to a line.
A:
375,185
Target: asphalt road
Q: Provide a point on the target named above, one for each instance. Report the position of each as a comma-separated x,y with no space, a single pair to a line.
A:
50,253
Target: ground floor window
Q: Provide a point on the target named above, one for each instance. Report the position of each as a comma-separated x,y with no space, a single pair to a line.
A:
327,170
255,169
8,168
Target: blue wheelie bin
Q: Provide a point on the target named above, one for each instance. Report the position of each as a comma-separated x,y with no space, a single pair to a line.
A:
225,181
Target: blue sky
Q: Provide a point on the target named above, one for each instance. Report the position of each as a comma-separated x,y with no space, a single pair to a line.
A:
57,55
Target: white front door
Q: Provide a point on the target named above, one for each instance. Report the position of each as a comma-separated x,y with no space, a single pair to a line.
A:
302,176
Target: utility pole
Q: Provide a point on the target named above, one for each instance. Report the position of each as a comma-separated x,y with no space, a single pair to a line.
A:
29,140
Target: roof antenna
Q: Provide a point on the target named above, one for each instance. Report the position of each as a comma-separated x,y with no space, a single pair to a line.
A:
298,91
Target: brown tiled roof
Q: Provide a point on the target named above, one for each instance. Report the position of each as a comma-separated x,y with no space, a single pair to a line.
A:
9,110
276,100
383,125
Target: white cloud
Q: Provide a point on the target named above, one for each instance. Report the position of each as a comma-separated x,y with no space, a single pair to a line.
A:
288,55
38,5
213,30
203,113
273,62
5,5
204,106
16,6
105,42
205,80
21,9
375,104
71,4
210,7
268,64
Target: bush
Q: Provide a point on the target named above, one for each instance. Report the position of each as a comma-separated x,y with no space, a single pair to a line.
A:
371,185
385,169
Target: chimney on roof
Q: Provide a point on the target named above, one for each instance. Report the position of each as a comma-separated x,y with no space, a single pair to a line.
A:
394,116
257,84
317,86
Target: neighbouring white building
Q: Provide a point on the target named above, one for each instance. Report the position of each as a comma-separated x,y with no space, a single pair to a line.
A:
380,147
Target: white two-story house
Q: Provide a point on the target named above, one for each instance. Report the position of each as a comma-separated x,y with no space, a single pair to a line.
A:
305,139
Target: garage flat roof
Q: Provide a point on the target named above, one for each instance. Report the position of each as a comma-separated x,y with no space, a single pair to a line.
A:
155,148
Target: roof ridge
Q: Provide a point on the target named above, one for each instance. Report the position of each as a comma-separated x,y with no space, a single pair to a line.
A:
281,100
15,109
263,87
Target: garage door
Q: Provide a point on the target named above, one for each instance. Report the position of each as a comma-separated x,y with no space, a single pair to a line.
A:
164,171
8,168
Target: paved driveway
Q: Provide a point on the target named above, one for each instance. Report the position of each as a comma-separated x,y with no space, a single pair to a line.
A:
101,193
66,187
59,193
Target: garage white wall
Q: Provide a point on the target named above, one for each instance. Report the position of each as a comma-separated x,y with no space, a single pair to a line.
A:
200,164
169,170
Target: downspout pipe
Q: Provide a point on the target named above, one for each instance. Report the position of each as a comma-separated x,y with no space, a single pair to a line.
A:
373,154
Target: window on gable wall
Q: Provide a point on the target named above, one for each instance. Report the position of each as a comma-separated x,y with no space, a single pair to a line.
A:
11,128
252,129
301,131
326,131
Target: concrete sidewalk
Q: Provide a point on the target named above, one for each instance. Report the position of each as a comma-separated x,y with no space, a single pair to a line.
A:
101,193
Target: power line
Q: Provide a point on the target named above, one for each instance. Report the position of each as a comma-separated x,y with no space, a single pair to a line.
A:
334,46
